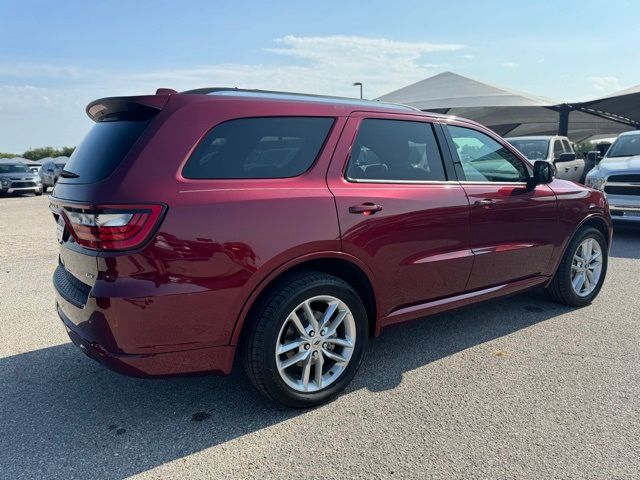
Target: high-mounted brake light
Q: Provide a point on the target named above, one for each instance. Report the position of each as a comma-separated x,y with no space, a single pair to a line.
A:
112,227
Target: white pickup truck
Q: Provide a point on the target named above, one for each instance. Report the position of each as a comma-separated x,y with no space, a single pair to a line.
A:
554,149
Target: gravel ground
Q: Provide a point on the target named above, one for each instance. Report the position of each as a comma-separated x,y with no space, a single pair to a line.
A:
516,388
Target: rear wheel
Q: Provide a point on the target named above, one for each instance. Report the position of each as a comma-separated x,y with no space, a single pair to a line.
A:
306,341
582,270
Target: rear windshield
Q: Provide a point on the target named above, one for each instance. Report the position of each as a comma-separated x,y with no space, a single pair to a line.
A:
265,147
102,150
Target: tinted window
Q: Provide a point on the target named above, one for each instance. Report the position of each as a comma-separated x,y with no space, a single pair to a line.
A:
102,150
567,147
485,160
532,149
270,147
395,150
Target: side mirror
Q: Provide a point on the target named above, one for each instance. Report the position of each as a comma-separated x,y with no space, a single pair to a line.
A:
566,157
543,172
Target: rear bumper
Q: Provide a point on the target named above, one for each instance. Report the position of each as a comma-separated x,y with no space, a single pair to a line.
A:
216,360
92,332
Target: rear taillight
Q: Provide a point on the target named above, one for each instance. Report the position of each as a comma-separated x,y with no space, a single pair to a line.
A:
112,227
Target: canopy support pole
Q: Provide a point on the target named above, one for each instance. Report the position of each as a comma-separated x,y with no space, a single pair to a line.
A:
563,120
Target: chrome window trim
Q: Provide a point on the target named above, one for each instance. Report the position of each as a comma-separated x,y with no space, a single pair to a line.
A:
401,182
472,182
432,182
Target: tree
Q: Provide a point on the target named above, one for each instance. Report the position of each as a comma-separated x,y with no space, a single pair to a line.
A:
42,152
8,155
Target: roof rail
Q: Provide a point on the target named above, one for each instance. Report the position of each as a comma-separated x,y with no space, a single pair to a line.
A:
310,96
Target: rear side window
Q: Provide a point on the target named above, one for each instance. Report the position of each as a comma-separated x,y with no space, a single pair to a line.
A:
102,150
264,147
396,150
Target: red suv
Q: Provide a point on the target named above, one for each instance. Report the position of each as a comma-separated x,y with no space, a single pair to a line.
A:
285,229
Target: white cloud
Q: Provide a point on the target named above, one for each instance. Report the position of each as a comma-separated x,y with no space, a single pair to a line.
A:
324,65
329,66
468,56
509,64
609,84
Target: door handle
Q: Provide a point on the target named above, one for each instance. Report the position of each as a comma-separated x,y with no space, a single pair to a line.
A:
566,169
484,203
365,208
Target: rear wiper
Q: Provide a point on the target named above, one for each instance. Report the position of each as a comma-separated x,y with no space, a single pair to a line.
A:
67,174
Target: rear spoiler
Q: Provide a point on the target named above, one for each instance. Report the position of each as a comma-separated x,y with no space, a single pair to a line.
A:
126,108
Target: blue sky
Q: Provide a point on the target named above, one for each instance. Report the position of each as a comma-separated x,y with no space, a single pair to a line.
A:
56,56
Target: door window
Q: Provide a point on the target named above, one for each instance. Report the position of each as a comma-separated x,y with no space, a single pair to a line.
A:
557,149
485,160
396,150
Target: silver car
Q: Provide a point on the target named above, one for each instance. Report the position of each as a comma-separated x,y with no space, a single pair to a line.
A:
17,178
50,171
618,175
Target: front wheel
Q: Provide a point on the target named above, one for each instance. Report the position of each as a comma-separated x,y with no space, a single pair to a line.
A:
306,340
582,270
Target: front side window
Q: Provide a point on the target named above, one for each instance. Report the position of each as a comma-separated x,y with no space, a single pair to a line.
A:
264,147
396,150
485,160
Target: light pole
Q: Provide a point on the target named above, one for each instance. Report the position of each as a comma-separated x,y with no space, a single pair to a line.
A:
358,84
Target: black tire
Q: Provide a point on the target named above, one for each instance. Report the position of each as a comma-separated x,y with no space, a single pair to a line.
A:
261,337
560,288
39,193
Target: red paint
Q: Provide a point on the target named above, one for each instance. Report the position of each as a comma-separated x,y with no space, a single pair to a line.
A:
178,303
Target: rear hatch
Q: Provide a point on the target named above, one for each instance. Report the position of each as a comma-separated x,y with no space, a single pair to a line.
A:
88,223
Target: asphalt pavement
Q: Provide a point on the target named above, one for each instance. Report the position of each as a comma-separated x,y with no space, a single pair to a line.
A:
513,388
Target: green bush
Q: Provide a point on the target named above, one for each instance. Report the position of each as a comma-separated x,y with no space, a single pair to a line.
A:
42,152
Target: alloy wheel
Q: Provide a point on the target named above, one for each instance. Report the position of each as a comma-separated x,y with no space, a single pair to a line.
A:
586,267
315,343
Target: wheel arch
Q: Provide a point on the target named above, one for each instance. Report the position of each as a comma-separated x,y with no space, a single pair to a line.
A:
341,265
594,220
599,223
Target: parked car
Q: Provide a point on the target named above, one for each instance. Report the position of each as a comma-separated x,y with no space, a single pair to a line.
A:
17,178
618,175
283,230
50,171
553,149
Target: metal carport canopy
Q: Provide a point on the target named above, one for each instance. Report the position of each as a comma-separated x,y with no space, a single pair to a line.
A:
510,113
